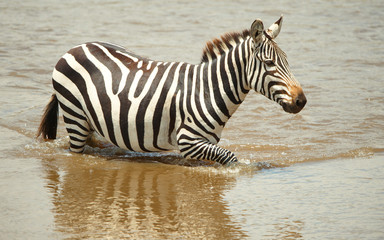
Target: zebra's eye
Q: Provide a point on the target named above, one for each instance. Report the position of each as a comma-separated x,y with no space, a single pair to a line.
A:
269,63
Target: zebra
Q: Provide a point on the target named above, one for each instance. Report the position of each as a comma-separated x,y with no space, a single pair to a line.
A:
144,105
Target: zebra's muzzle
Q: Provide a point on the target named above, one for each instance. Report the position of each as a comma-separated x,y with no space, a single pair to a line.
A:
297,103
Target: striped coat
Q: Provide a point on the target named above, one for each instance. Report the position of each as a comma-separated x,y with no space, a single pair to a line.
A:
144,105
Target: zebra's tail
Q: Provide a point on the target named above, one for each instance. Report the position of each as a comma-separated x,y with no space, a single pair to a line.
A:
48,125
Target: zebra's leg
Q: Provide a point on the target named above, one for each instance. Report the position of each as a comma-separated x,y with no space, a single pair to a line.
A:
203,150
78,130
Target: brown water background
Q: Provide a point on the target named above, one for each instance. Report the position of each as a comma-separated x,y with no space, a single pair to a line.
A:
315,175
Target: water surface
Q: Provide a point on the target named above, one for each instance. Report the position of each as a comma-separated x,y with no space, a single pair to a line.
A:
315,175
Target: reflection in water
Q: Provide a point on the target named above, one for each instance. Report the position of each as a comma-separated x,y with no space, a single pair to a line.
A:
287,229
98,199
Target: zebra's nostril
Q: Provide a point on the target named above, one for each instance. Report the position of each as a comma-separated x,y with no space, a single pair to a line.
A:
301,101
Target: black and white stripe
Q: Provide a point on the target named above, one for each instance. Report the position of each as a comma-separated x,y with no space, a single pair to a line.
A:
145,105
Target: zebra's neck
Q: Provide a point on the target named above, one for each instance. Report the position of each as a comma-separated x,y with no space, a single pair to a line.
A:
224,80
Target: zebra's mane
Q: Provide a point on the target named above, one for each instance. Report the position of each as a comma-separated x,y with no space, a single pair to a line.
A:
223,44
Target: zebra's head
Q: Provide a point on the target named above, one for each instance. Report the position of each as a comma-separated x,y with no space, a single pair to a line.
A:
269,73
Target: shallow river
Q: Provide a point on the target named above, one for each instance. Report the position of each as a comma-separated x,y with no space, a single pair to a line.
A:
315,175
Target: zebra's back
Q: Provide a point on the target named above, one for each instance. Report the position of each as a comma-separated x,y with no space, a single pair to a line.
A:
127,99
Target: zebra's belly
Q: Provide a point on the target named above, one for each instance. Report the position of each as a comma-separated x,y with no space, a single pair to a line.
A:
142,130
145,145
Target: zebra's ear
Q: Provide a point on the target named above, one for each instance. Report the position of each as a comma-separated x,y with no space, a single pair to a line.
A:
256,32
274,29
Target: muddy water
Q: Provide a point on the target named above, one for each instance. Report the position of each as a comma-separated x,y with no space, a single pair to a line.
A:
315,175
